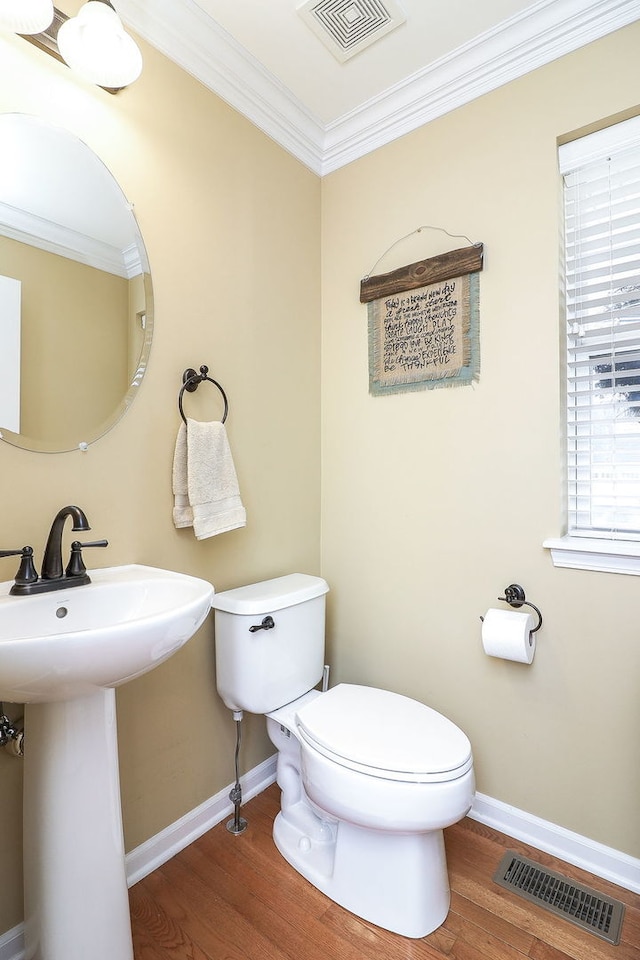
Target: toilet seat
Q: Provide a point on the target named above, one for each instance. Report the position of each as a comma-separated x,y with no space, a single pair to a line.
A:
384,734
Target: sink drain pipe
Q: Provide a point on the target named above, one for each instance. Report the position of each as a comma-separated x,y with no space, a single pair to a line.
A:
237,824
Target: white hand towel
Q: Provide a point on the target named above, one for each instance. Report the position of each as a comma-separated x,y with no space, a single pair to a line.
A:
182,512
205,484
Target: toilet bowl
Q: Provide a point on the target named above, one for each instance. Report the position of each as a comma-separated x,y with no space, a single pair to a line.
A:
367,752
369,778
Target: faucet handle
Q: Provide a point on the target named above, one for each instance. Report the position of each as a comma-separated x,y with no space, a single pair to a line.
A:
76,567
27,572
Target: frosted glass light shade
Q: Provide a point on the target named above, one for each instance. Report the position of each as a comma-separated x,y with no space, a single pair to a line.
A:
26,16
95,45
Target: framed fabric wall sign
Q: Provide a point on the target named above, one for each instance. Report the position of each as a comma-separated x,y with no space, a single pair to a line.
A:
424,323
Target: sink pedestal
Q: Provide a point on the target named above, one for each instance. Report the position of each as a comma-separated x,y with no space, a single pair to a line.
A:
62,653
76,899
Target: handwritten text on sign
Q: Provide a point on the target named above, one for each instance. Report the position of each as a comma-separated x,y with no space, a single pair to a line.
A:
422,334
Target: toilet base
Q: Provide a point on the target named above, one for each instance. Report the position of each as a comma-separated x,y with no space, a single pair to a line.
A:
396,881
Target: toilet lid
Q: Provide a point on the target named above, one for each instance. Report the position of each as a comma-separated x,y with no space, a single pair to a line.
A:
384,734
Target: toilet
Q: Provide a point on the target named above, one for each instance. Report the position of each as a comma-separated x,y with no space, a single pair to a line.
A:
369,778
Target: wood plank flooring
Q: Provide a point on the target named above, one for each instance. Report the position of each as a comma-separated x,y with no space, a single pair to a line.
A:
229,897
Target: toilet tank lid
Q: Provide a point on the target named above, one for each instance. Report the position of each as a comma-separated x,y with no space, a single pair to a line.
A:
268,595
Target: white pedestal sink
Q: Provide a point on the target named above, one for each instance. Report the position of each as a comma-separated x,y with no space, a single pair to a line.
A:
62,654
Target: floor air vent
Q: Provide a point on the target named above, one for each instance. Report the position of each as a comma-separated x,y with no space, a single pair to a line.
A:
586,908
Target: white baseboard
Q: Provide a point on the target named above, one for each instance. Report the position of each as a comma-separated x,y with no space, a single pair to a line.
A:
154,852
12,944
593,857
573,848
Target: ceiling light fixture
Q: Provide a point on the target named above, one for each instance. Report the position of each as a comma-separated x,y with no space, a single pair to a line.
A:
25,16
96,46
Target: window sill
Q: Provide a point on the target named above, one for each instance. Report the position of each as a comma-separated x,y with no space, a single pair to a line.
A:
603,556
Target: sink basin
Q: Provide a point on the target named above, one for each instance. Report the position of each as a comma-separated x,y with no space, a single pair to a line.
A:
63,645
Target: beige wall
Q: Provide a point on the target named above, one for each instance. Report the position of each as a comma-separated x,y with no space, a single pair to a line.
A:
232,228
433,502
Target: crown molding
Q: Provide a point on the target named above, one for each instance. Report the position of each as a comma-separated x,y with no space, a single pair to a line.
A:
182,31
544,32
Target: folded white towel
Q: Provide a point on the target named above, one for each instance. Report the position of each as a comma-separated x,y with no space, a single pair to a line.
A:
182,512
205,485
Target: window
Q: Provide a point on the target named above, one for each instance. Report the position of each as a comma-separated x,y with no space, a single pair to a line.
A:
602,290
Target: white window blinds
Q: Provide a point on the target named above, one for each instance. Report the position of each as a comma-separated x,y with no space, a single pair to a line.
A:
602,290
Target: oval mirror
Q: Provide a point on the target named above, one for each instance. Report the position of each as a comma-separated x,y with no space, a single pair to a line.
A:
75,291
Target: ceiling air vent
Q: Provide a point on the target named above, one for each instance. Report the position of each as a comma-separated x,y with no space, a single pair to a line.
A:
348,26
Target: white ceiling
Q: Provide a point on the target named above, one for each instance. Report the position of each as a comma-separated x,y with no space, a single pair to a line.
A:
262,58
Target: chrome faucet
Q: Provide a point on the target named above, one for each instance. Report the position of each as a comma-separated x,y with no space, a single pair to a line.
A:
54,577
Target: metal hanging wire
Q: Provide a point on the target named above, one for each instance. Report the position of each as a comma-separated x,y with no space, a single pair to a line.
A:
454,236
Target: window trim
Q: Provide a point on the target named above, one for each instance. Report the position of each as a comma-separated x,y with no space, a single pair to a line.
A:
596,146
602,556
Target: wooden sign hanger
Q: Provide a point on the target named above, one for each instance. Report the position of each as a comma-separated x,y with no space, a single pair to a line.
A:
455,263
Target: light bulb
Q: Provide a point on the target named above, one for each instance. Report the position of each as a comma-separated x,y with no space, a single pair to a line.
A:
26,16
95,45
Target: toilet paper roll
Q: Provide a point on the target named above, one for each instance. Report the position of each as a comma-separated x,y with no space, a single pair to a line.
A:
507,634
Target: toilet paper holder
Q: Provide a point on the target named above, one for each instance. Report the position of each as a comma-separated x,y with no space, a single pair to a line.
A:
514,595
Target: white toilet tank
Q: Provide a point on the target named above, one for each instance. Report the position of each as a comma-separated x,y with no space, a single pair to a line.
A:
260,670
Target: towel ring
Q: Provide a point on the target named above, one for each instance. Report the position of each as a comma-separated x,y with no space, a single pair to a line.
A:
190,382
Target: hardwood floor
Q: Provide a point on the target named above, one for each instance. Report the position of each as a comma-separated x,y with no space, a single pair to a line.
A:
229,897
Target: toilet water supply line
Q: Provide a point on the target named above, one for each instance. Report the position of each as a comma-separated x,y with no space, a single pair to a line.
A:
237,824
